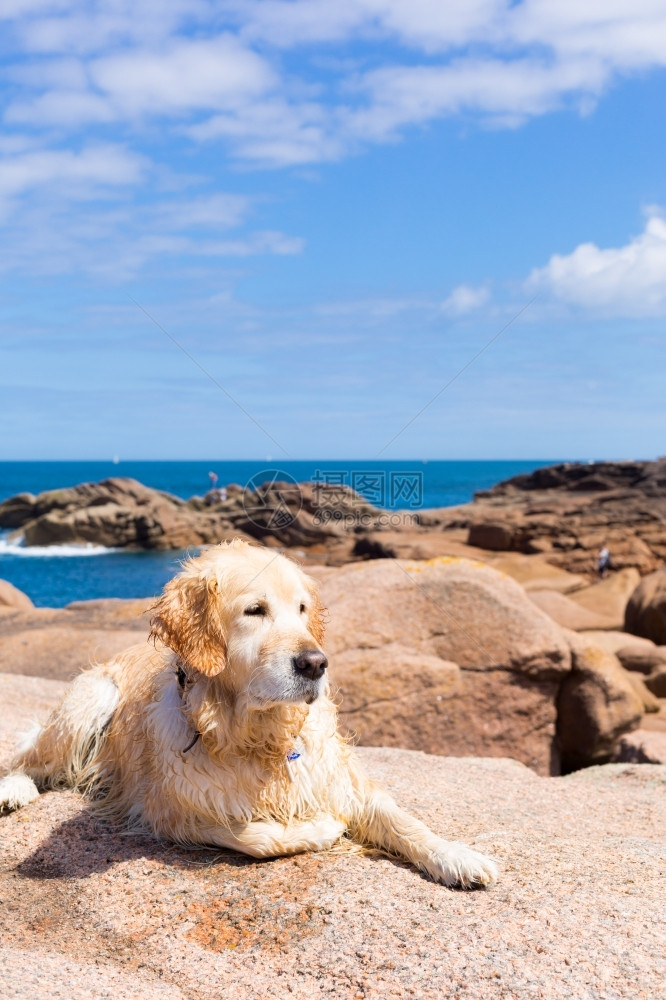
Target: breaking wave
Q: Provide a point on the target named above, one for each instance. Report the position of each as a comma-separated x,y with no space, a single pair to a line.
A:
17,547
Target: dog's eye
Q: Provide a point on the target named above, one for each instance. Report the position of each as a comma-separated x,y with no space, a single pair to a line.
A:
256,609
302,609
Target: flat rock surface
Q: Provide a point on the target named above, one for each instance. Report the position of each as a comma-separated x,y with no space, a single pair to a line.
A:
533,572
578,911
568,613
59,642
612,640
609,597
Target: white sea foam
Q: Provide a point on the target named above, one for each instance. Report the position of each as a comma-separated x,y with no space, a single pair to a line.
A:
17,547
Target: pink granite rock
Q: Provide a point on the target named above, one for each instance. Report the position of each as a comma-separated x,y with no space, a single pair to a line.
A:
88,912
12,597
445,655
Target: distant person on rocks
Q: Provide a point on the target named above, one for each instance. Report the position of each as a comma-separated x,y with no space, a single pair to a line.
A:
603,562
211,496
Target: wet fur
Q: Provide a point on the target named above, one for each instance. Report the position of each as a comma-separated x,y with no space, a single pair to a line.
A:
121,731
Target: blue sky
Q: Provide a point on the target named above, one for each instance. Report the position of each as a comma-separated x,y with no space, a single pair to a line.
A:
332,206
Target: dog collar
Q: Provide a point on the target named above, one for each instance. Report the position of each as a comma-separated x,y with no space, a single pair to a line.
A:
182,681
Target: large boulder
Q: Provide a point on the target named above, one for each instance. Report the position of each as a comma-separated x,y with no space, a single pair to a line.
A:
116,512
12,597
642,747
597,704
642,660
495,536
656,682
17,510
445,654
646,610
650,702
121,513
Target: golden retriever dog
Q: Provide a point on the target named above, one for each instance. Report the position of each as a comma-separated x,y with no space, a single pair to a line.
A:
221,732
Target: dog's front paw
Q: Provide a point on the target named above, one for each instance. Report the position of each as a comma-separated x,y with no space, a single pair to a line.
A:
16,791
456,865
326,831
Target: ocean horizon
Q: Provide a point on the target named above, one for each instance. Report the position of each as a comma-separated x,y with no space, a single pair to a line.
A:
55,576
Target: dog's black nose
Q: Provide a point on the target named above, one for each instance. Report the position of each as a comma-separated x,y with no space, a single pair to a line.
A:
310,663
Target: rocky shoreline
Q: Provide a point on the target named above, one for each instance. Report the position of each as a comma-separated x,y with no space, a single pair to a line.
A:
564,512
123,513
531,657
447,656
464,645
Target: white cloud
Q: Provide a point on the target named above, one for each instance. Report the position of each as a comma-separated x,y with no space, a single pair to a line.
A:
421,23
60,73
88,173
622,32
629,280
216,211
465,299
267,241
511,91
123,226
71,108
176,80
214,73
372,311
130,256
118,246
20,8
276,133
85,27
214,67
15,142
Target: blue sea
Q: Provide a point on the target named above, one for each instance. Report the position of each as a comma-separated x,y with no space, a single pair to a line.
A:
55,576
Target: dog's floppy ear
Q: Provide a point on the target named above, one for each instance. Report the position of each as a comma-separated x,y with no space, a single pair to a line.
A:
186,619
317,617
